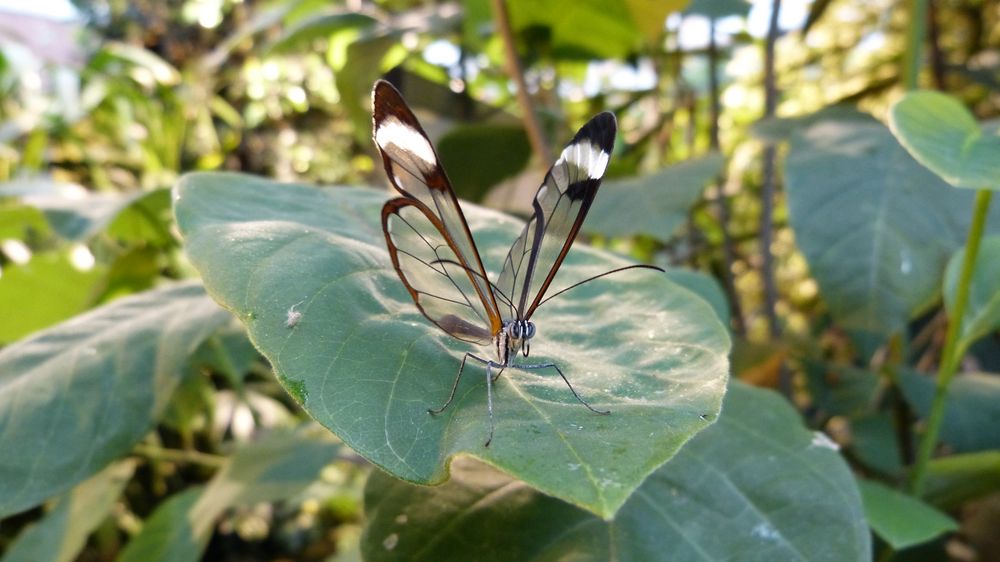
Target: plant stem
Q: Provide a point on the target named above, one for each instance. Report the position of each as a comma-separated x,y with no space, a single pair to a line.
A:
913,57
516,72
178,455
952,353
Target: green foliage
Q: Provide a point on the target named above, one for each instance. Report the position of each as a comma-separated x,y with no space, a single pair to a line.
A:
462,148
944,136
875,226
141,423
246,235
973,404
655,204
901,520
724,495
62,533
982,314
277,467
106,374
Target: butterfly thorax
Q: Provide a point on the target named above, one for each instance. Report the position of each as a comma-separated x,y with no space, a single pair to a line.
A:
514,335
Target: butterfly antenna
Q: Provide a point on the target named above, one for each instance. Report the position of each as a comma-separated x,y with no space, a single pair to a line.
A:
496,289
589,279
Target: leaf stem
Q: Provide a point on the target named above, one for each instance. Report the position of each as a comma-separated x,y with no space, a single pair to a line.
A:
953,350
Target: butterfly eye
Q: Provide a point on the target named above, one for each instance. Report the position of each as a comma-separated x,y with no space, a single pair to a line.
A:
530,331
516,331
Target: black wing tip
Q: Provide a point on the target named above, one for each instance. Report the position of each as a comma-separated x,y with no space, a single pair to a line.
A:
600,130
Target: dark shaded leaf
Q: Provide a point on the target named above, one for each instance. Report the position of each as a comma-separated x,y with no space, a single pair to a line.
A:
754,486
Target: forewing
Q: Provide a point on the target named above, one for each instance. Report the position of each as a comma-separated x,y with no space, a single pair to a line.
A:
559,209
414,170
432,272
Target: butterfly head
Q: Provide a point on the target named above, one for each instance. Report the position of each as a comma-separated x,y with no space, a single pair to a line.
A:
519,334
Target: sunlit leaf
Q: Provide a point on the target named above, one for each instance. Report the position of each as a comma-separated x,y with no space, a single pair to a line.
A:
595,28
655,204
944,136
62,533
754,486
45,290
982,311
876,227
82,393
317,26
364,363
901,520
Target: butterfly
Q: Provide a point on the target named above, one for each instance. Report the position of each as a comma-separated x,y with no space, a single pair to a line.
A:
435,256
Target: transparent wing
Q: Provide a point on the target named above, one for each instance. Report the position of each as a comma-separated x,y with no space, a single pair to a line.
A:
559,208
431,271
432,248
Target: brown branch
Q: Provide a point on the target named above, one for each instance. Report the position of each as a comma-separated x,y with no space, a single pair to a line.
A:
767,194
514,69
721,202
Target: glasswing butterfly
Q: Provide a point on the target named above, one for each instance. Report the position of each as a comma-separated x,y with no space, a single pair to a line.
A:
433,251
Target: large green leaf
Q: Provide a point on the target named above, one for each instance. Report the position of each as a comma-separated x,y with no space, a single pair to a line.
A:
45,290
361,359
876,227
82,393
982,312
754,486
944,136
901,520
655,204
62,533
972,414
276,467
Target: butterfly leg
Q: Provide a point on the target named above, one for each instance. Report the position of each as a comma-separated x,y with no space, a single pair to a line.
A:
565,380
489,398
454,386
500,372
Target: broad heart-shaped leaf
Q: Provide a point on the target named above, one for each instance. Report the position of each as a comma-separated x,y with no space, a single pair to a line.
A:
754,486
82,393
62,533
876,227
982,312
972,415
362,360
276,467
901,520
941,133
655,204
